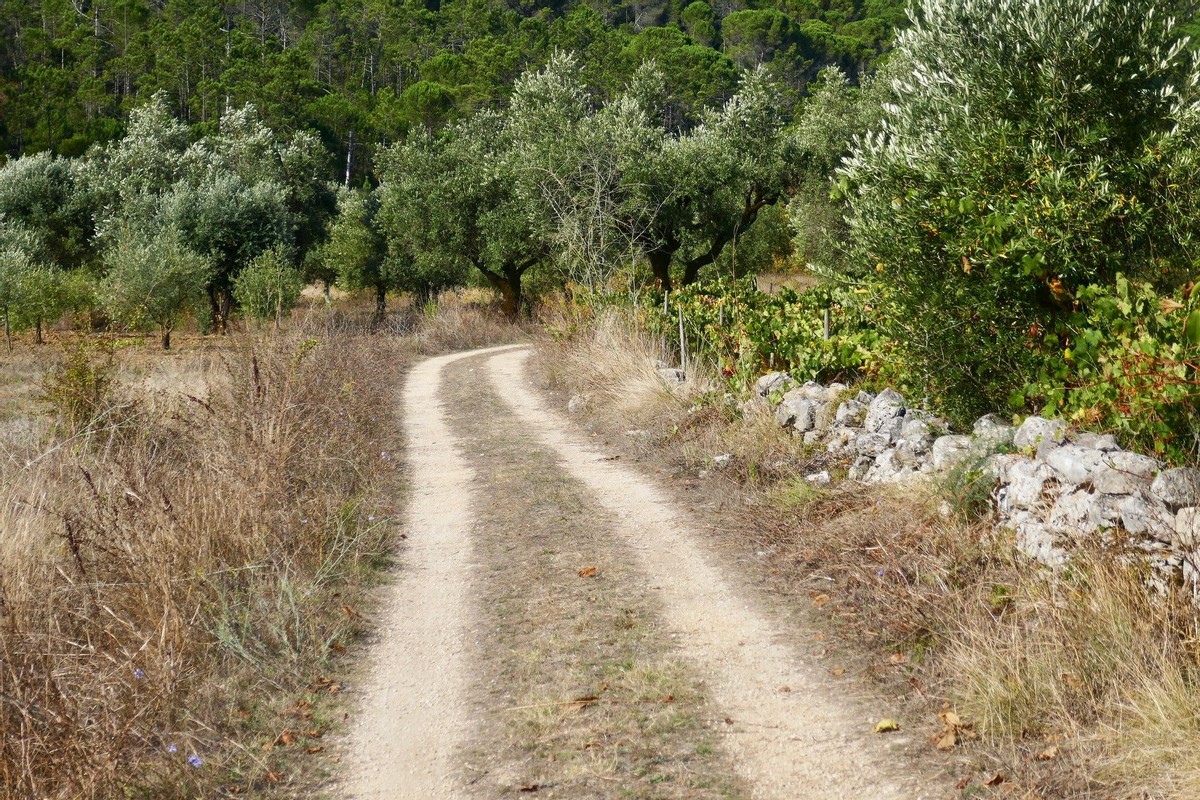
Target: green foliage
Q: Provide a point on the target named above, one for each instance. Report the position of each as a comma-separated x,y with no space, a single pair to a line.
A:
1015,169
1131,365
356,250
365,73
269,286
746,332
152,279
79,390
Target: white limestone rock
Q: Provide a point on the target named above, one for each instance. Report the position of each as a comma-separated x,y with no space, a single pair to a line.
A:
1071,514
994,433
1142,514
1187,527
886,406
796,412
773,382
1027,482
850,414
1121,472
1178,487
949,451
1073,463
1035,430
872,444
1096,441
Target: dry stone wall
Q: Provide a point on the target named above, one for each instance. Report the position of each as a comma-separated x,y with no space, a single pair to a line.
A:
1054,487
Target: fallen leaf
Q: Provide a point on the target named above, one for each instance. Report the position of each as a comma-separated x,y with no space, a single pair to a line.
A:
898,658
586,572
785,689
580,703
314,750
954,731
1049,753
274,777
1072,681
820,600
837,672
669,698
1167,305
886,726
995,780
284,739
337,648
964,783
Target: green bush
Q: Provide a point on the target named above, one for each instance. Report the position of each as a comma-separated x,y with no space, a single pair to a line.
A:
1131,366
268,287
1037,148
79,390
745,332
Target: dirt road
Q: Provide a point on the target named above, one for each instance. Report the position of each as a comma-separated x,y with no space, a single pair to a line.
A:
556,628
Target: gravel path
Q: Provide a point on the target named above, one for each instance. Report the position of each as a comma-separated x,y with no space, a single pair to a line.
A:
787,728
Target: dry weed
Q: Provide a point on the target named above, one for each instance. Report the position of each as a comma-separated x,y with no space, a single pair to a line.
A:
171,580
615,366
1083,684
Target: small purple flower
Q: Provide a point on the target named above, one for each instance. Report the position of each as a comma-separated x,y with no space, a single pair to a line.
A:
139,673
195,760
172,748
371,518
304,521
879,573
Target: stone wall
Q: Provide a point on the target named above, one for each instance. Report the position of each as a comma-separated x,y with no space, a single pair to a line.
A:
1054,487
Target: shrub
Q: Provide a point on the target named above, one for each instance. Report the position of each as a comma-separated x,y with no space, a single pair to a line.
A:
79,390
268,287
1016,167
745,332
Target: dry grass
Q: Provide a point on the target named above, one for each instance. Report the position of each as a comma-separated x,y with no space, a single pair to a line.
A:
615,366
1082,685
643,728
182,564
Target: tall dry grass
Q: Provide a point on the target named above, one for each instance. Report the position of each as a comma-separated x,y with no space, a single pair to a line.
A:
1080,684
178,567
608,359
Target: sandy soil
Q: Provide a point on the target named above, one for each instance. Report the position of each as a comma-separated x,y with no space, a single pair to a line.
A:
412,719
784,725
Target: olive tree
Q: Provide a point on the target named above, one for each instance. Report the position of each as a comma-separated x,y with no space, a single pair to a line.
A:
452,203
356,251
152,279
1034,148
269,286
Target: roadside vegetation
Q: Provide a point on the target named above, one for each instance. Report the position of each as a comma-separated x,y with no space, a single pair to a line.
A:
1081,684
990,206
189,544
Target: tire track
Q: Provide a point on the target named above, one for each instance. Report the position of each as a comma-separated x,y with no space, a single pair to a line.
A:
412,718
790,733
